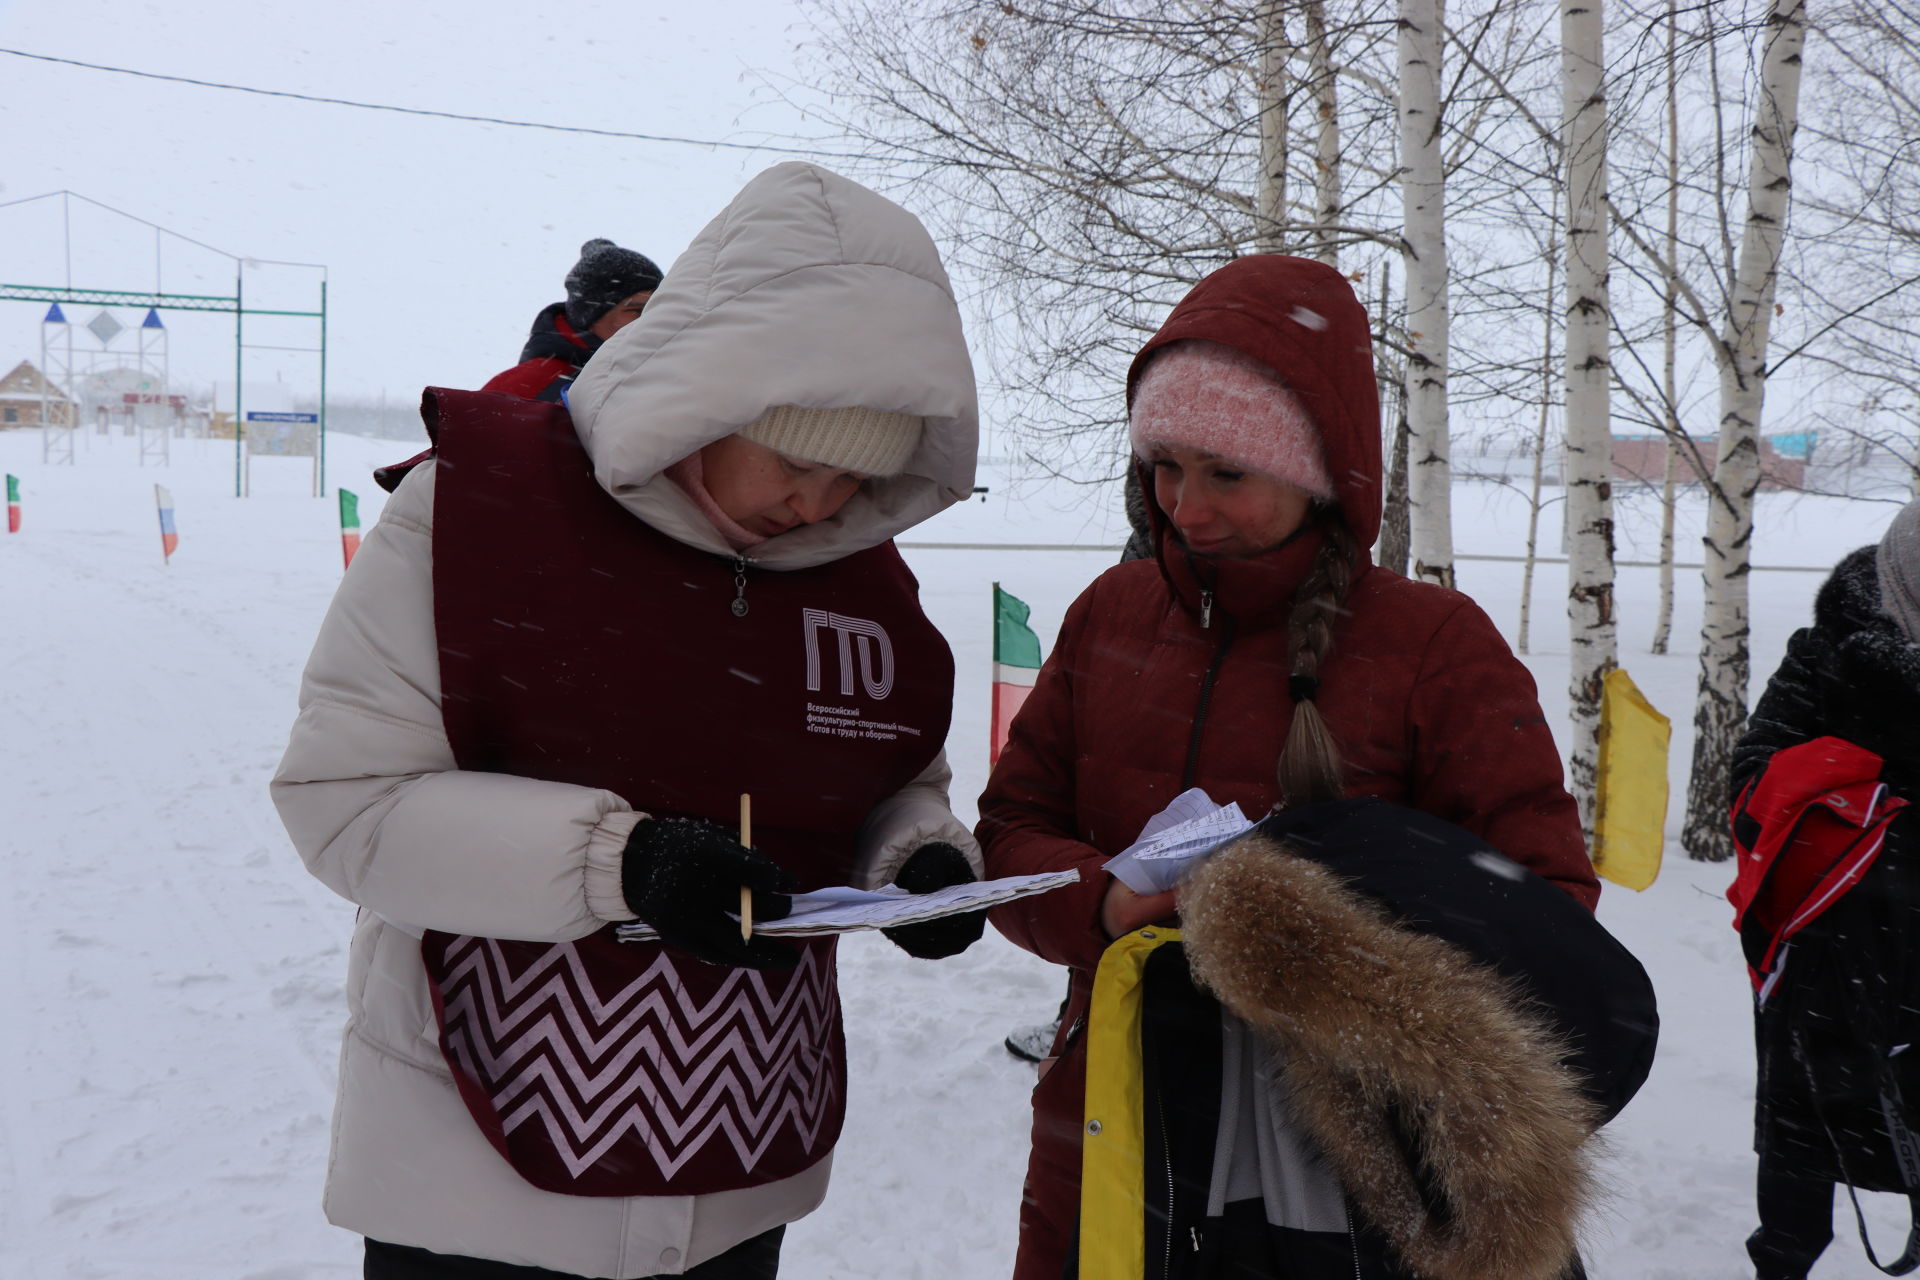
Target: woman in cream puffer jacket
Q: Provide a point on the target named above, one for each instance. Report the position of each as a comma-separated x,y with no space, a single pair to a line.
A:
413,784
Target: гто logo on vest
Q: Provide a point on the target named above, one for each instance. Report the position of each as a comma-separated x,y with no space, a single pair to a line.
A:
871,635
869,640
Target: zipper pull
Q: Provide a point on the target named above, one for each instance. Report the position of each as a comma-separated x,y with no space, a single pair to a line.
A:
1206,610
739,586
1195,1233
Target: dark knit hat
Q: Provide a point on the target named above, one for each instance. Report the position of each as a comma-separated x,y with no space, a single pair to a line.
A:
606,276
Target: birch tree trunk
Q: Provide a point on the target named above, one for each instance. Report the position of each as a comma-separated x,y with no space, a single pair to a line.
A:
1392,549
1588,457
1721,707
1670,342
1396,535
1669,481
1523,642
1423,200
1326,124
1271,96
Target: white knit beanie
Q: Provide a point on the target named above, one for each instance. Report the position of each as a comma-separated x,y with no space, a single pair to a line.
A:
1196,394
873,442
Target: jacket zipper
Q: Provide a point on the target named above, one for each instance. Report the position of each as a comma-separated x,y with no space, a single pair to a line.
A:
1353,1240
740,586
1206,610
1166,1159
1206,691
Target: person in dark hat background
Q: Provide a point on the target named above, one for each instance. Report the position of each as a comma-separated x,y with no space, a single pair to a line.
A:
606,290
1834,1100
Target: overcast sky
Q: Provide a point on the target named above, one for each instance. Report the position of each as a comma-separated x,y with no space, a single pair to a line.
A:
441,239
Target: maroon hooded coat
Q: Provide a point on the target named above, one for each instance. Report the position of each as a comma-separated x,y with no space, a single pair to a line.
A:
1139,700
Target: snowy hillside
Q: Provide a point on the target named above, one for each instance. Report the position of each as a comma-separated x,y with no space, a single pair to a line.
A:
172,973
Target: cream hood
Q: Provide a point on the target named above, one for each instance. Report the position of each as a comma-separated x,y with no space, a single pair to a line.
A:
808,289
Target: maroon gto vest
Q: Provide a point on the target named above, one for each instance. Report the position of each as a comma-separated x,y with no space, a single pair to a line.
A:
579,645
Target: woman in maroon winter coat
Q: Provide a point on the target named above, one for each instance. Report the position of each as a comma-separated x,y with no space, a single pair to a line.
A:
1260,655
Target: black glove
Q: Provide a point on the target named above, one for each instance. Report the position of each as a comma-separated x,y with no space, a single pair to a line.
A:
683,877
936,866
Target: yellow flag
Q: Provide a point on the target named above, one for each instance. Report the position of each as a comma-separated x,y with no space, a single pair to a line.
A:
1631,815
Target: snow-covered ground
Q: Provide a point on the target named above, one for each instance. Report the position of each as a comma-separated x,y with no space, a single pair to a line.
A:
169,974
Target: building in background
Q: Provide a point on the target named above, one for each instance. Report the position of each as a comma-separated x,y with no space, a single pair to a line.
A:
26,393
1783,459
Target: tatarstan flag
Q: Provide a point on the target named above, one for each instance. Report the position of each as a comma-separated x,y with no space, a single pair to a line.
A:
1016,661
169,536
13,504
349,525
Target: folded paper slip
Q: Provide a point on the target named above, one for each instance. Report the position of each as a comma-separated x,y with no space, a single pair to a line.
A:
846,910
1175,840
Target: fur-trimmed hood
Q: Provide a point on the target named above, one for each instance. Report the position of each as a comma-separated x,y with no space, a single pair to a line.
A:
1451,1028
1849,600
1859,667
1848,611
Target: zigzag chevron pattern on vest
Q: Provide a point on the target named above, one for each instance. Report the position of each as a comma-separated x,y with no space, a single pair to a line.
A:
678,1071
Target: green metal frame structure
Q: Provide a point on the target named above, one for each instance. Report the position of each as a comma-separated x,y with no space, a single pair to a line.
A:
51,294
162,301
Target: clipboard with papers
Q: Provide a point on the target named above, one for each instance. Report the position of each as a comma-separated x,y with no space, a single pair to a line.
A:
848,910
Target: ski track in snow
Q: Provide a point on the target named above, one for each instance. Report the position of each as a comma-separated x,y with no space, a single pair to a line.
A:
173,974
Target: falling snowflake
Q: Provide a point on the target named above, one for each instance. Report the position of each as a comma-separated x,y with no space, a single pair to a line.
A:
1308,319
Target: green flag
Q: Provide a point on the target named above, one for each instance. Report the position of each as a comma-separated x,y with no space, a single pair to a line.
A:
349,525
1014,644
1016,663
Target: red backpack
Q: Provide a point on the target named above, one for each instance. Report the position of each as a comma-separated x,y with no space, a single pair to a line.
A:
1805,831
1835,1009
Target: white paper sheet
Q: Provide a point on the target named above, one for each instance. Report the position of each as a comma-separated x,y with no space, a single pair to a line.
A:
1175,840
846,910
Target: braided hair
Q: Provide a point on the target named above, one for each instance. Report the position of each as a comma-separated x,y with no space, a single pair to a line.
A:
1310,768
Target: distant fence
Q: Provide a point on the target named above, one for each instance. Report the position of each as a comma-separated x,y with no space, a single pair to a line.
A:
1116,549
1008,546
1655,564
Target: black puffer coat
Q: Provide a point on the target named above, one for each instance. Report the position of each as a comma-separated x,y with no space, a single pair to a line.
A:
1852,978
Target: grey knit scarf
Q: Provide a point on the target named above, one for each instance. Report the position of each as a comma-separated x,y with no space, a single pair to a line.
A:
1898,564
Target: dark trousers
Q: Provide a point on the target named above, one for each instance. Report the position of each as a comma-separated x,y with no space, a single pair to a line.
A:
1796,1224
755,1259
